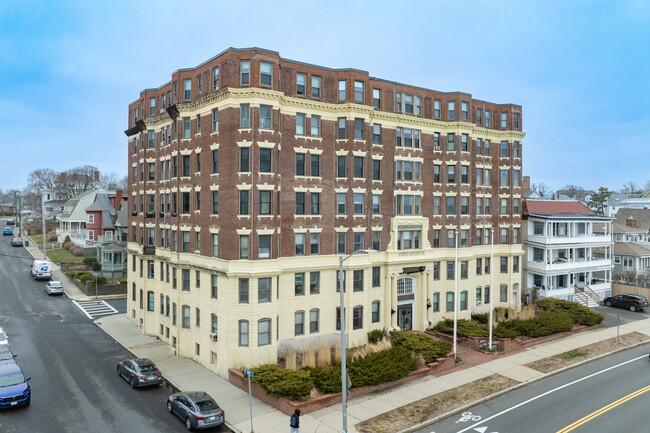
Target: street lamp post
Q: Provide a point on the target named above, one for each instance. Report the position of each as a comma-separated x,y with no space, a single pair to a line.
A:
344,377
491,281
456,295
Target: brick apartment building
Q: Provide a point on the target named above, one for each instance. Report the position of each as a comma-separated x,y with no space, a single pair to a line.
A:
252,174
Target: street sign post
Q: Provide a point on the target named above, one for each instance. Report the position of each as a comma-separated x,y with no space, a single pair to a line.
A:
250,398
96,274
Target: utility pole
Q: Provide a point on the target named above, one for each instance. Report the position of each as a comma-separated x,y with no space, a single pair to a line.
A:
20,216
43,219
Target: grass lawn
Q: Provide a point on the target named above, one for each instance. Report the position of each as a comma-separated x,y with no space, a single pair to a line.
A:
37,239
60,255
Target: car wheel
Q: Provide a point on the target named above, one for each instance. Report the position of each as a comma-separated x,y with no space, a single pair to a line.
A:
169,406
608,303
132,382
188,423
632,307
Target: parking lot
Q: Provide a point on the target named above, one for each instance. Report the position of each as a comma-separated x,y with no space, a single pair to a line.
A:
615,316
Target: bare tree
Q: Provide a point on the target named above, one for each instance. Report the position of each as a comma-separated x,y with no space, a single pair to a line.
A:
109,180
77,180
41,179
646,186
541,189
31,200
123,184
631,188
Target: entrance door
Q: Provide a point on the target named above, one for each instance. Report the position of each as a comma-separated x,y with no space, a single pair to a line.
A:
405,317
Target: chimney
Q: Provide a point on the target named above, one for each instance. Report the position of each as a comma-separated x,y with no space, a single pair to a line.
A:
525,183
96,175
118,197
630,222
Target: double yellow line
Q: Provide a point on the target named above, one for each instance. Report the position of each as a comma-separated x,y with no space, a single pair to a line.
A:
603,409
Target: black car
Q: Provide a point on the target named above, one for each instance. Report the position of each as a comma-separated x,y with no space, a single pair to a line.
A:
139,372
11,222
197,409
627,301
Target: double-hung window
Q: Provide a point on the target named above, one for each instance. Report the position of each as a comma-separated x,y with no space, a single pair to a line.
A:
301,84
315,87
245,72
266,74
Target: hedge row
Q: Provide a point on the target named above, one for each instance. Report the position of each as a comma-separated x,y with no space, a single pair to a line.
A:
373,369
579,313
420,345
86,277
556,316
547,323
464,328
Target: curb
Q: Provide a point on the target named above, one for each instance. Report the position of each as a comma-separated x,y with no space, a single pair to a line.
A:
512,388
167,379
82,295
65,292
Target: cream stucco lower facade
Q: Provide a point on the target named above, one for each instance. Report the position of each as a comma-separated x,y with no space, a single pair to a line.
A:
200,306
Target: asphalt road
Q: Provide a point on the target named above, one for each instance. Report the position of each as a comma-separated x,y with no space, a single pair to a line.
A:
616,316
604,396
119,304
72,364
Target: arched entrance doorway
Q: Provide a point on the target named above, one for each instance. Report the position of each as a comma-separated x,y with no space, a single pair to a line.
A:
405,302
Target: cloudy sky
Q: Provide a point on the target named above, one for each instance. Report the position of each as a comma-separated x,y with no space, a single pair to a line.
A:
580,69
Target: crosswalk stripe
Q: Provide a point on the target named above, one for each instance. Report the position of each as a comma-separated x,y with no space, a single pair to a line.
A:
94,308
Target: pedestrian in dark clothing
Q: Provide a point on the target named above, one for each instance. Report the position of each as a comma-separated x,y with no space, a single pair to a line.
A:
294,422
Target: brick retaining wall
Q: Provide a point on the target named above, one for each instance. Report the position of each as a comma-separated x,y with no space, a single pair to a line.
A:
287,406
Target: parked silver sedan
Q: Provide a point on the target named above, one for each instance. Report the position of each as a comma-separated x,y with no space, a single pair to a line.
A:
139,372
54,288
197,409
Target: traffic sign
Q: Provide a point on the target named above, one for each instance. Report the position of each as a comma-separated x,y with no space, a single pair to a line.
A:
248,373
95,274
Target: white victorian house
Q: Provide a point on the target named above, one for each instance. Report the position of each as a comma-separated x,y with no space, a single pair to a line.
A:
568,251
74,218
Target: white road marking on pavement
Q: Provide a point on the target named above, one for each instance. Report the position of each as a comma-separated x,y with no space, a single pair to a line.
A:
550,392
468,416
94,309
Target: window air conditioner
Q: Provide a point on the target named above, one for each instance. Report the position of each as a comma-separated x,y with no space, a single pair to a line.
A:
213,336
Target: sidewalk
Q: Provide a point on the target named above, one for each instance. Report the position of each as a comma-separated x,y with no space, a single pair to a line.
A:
185,374
69,288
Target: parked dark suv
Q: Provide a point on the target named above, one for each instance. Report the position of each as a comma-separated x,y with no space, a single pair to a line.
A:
630,302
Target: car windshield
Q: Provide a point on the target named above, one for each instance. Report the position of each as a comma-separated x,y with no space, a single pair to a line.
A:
55,284
206,405
11,379
148,368
2,336
5,355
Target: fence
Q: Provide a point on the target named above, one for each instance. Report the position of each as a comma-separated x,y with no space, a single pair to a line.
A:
619,288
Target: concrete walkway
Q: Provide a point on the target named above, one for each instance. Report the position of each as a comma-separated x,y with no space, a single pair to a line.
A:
185,374
69,288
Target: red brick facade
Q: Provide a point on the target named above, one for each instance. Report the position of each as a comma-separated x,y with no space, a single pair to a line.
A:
284,142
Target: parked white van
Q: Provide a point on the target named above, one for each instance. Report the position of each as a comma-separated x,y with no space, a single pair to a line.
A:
41,269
